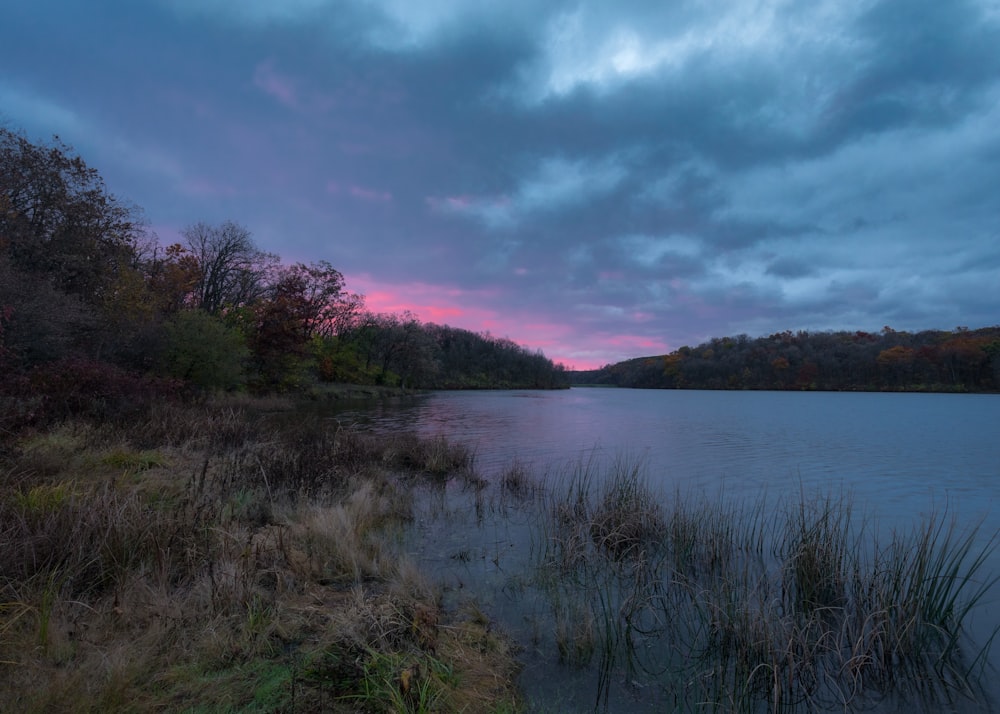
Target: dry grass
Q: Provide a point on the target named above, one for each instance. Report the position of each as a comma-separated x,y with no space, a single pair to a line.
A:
206,559
516,482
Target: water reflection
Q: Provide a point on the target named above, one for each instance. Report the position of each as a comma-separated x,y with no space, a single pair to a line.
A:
895,451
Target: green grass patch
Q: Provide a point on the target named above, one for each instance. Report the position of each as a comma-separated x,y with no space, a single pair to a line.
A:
258,686
43,499
132,462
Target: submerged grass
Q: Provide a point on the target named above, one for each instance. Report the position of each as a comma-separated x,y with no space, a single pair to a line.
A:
794,606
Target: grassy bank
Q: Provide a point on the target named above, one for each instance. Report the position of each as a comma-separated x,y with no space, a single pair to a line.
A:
198,560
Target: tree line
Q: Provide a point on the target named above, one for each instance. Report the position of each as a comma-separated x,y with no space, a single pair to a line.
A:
89,296
960,360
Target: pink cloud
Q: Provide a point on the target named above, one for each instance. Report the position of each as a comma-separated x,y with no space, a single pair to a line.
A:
450,203
362,193
277,85
636,341
563,343
424,300
369,194
494,208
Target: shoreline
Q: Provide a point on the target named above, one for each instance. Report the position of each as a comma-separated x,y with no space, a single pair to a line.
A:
197,558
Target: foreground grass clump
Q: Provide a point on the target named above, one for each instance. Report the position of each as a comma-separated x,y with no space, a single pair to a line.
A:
207,559
794,606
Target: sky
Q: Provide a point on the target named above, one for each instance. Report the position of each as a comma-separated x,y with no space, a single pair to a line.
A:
598,180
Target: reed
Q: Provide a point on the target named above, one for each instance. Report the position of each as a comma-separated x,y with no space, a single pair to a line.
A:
794,606
516,482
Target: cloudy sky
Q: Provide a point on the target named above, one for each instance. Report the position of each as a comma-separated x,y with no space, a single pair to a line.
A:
600,180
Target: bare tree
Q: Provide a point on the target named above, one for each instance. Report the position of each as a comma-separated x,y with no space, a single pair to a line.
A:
231,270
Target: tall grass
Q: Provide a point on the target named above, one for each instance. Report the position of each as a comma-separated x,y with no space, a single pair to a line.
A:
796,605
207,558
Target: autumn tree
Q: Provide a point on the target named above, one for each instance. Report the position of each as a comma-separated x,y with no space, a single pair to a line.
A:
896,364
304,304
58,219
316,297
76,248
174,274
963,358
279,332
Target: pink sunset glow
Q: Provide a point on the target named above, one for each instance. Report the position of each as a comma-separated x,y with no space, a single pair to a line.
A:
465,309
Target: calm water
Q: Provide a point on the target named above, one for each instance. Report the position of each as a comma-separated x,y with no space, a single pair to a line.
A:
901,456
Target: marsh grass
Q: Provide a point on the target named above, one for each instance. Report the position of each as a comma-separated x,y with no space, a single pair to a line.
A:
239,550
794,606
627,519
436,457
517,483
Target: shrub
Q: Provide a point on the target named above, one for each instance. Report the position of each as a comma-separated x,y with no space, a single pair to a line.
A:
200,349
78,387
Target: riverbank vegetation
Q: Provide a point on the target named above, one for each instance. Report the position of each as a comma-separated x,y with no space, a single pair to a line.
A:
85,287
961,360
203,559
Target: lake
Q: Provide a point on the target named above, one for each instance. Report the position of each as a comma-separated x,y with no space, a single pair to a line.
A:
901,457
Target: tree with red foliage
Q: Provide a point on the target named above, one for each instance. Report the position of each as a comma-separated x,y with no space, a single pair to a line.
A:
304,302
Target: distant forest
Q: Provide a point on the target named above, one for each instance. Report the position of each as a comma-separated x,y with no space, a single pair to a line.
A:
91,306
962,360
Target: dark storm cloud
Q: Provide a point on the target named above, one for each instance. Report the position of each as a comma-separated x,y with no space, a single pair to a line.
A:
789,268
